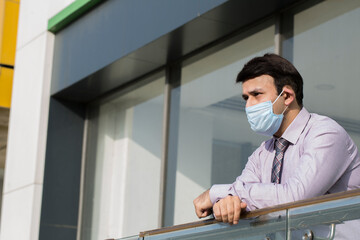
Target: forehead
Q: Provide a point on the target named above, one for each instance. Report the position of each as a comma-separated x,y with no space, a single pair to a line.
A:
263,82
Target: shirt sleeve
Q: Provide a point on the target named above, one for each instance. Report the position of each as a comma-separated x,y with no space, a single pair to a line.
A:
250,174
323,162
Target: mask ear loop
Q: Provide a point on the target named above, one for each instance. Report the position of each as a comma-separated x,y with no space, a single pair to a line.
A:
277,99
278,96
284,109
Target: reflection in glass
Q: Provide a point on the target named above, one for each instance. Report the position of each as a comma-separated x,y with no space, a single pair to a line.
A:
326,53
136,237
271,226
123,164
213,137
340,219
337,219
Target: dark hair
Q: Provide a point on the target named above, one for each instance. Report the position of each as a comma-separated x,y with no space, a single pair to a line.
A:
283,72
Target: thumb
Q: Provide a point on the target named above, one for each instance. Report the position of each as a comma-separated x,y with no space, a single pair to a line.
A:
207,212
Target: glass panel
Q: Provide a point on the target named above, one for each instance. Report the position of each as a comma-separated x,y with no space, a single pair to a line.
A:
340,218
212,136
272,226
123,164
326,53
136,237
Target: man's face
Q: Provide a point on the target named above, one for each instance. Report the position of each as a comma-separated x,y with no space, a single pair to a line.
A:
262,89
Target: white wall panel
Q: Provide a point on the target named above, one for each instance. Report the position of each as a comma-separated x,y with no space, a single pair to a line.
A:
20,218
24,170
34,16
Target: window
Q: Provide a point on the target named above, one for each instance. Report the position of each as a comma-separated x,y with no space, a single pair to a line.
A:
122,176
212,134
326,53
209,136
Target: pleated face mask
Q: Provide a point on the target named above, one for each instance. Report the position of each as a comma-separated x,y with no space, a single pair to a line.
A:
262,119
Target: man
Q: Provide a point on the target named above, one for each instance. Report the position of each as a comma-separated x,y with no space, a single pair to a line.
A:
308,155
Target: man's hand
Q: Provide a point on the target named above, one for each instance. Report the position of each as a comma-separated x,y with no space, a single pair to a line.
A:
203,205
228,209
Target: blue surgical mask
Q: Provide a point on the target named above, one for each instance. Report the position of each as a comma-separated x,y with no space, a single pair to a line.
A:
262,119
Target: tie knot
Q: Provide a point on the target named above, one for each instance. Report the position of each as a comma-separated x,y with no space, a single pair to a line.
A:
281,144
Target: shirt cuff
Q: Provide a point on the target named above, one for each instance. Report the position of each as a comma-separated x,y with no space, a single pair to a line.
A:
220,191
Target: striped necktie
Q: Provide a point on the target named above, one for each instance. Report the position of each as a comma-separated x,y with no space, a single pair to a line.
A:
280,147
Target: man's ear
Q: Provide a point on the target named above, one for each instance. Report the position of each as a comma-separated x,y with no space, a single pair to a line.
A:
289,95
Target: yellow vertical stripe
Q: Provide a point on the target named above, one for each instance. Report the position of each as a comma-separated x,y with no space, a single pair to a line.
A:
6,77
9,14
2,20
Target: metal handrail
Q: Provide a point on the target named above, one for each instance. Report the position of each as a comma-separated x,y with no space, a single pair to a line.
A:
258,212
309,235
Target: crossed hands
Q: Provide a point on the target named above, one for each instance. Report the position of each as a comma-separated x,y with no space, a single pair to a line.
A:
226,210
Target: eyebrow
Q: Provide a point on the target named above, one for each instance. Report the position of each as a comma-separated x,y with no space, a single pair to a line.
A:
255,90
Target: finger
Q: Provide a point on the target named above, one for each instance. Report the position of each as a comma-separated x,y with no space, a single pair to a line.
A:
217,212
198,211
223,209
230,209
237,210
206,213
243,205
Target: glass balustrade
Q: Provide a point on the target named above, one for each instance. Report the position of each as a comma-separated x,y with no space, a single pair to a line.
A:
247,229
136,237
335,216
339,219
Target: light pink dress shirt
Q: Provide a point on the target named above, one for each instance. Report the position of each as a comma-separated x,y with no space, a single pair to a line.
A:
321,159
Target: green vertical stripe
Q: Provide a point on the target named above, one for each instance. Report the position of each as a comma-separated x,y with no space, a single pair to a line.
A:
70,14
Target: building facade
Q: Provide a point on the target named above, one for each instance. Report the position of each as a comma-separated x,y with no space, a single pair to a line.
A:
9,14
124,111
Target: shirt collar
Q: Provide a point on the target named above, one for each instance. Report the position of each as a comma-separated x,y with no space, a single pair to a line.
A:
296,127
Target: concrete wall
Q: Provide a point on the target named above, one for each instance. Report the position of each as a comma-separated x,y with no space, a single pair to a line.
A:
24,170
